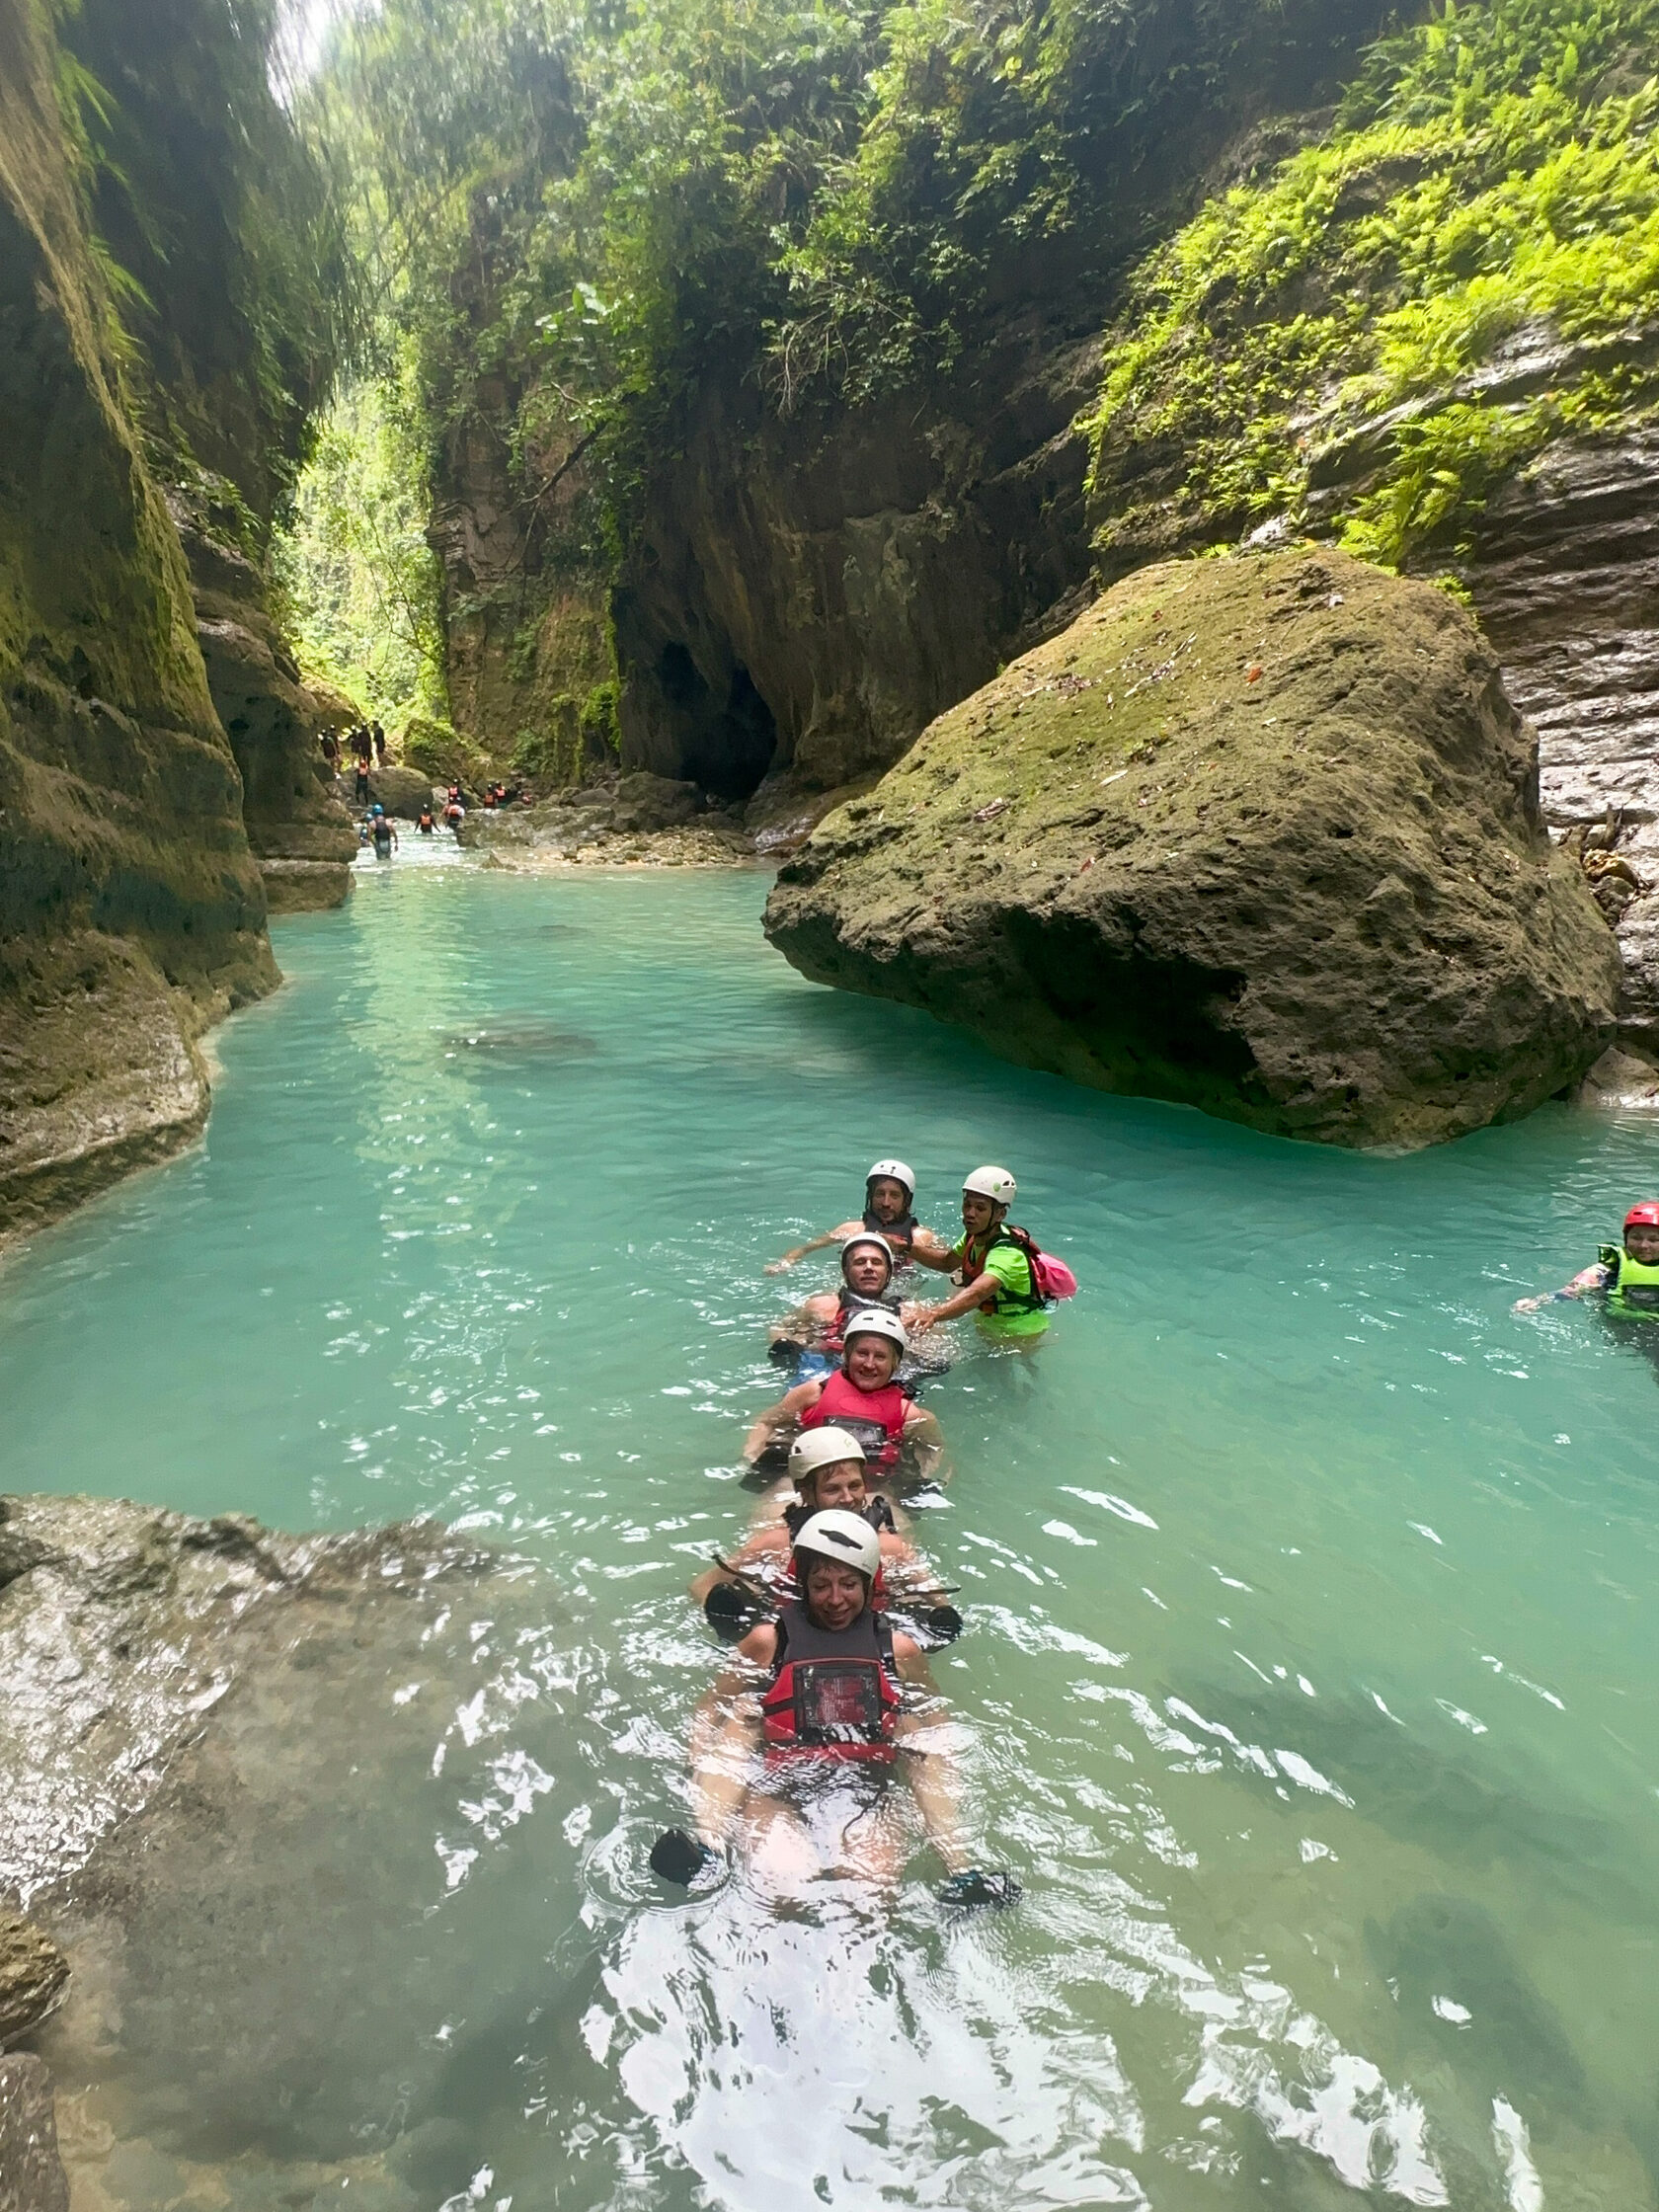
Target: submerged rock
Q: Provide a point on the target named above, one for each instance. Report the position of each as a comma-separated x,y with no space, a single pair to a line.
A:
295,1807
33,1973
1260,835
31,2175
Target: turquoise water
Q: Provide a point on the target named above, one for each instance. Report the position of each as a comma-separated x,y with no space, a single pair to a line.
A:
1310,1679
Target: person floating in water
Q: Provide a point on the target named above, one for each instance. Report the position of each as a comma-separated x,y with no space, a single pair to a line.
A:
381,831
1626,1276
800,1776
814,1334
889,1196
1004,1278
827,1472
862,1397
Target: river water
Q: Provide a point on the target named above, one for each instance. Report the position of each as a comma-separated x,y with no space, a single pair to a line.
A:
1309,1683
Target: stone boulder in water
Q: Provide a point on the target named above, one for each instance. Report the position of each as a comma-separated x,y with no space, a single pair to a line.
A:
1261,836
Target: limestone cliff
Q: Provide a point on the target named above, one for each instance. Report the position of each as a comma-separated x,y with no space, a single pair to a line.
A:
131,908
1259,835
204,199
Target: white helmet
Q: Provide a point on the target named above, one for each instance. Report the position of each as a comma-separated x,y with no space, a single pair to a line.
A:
876,1320
899,1172
845,1537
994,1183
870,1237
821,1448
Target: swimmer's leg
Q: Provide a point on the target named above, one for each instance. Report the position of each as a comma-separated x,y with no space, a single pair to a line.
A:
783,1861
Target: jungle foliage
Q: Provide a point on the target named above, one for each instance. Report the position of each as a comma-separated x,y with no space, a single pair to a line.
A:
1463,269
216,224
578,209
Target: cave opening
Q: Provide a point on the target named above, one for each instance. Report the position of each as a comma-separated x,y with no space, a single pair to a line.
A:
726,744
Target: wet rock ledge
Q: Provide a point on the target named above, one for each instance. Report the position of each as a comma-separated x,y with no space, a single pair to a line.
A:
239,1768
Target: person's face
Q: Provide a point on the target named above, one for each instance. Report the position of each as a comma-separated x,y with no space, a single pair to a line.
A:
841,1483
865,1270
1641,1241
834,1594
888,1198
870,1362
977,1212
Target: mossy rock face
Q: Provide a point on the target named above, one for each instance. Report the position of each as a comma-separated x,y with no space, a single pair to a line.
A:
1260,835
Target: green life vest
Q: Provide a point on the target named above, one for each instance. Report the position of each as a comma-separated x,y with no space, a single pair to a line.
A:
1634,1292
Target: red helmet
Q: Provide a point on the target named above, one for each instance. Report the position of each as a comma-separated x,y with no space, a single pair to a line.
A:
1644,1217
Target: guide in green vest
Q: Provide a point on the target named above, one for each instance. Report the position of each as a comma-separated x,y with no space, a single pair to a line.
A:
996,1265
1626,1275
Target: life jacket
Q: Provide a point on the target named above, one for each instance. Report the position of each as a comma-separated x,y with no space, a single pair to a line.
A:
900,1235
850,1302
875,1510
978,1250
1634,1292
834,1693
875,1417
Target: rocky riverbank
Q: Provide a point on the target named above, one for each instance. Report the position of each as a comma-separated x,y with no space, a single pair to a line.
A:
240,1767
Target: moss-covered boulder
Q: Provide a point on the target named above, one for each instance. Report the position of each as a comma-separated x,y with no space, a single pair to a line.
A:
1261,836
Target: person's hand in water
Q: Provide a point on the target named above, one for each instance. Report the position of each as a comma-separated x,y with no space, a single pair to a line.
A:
973,1889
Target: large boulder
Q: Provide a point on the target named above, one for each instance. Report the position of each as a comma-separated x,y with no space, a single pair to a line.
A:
1261,836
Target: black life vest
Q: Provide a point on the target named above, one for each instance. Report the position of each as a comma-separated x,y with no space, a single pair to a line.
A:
900,1235
877,1512
849,1303
834,1693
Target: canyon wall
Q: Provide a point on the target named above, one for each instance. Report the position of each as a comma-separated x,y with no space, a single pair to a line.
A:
131,910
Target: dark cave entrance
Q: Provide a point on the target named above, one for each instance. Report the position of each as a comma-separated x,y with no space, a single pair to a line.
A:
725,743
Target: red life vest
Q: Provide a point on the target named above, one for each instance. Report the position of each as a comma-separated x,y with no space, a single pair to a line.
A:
875,1417
834,1693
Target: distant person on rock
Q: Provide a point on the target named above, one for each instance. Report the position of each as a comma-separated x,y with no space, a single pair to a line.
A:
1005,1279
331,751
1625,1277
360,785
380,737
889,1196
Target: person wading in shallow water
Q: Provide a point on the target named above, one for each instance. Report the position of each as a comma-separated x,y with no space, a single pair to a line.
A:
1625,1278
381,831
889,1196
995,1264
862,1397
801,1778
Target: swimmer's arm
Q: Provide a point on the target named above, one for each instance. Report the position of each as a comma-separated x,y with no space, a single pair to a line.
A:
788,1409
724,1735
761,1545
964,1301
1588,1278
809,1319
818,1244
928,1249
929,1767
